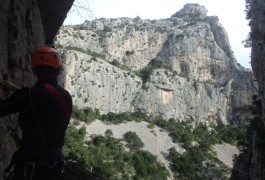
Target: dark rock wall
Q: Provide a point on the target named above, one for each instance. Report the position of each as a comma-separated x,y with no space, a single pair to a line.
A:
53,14
22,30
251,163
257,23
258,45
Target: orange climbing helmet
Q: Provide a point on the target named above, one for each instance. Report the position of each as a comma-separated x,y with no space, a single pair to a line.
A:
45,55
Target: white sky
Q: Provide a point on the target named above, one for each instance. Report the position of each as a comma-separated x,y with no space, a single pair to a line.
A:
230,12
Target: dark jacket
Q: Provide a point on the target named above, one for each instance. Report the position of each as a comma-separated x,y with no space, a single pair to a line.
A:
41,117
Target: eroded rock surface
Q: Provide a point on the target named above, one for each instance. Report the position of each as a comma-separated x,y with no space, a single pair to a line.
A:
187,65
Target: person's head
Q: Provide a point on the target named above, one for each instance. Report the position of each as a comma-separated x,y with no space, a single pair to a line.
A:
46,62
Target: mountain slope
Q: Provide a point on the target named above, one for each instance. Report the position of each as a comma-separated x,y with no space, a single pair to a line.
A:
181,67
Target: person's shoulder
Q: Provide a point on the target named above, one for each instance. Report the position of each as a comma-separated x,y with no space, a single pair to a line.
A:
64,91
66,94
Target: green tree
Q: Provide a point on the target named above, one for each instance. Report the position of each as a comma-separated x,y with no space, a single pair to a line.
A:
108,133
106,158
133,140
147,167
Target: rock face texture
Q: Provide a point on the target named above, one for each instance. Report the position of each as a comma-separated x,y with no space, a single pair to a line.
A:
22,30
257,17
187,68
258,44
251,162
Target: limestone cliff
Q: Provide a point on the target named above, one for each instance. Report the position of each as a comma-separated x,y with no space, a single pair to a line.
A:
186,65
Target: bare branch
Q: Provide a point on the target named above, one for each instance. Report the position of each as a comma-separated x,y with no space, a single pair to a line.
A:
83,9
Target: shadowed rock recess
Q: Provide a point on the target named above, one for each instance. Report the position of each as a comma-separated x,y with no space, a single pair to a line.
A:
181,67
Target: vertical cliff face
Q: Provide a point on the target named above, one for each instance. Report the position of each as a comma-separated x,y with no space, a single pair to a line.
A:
187,67
251,163
257,23
258,45
20,22
23,29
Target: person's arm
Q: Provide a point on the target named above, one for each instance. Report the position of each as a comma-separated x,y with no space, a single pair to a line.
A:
6,87
14,103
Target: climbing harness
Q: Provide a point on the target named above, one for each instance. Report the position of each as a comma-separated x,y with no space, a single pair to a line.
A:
29,167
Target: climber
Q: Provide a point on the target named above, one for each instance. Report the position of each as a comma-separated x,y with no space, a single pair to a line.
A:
44,114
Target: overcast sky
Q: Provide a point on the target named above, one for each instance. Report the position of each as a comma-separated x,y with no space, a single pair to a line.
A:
230,12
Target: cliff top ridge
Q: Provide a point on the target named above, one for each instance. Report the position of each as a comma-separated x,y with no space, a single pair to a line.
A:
192,10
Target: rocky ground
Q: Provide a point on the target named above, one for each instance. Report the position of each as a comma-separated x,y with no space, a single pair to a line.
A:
225,153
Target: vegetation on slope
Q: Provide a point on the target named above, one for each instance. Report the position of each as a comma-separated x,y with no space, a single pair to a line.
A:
106,157
254,147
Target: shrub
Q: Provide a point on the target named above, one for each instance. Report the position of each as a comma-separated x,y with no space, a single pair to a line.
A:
87,114
133,141
106,158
